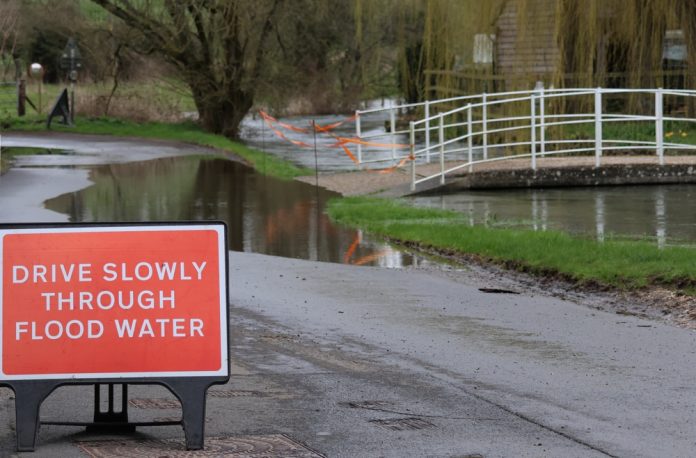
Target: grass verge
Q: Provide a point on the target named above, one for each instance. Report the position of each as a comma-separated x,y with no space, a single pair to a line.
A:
188,132
8,155
615,263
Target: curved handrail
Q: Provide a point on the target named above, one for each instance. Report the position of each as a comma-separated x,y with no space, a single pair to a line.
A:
489,123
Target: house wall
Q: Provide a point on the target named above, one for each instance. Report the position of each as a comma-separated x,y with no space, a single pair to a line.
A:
532,53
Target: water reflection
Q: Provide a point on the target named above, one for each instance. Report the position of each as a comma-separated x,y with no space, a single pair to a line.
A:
264,215
666,214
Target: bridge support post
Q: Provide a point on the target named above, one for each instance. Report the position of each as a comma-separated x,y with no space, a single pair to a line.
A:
427,132
412,142
659,127
392,127
532,118
470,134
542,123
441,136
598,126
484,124
358,134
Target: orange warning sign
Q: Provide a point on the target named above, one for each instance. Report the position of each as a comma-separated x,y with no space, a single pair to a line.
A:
119,301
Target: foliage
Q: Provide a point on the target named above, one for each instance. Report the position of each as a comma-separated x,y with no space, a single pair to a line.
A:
8,155
625,264
609,43
231,52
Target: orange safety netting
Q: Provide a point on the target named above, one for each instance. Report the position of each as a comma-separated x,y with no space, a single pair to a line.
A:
341,142
358,141
362,260
329,127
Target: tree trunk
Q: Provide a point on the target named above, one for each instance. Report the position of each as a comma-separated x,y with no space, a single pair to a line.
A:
223,115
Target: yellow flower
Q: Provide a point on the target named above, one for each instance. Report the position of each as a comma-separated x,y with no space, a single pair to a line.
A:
669,134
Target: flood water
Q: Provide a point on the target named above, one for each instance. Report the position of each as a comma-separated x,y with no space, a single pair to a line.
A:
263,214
665,214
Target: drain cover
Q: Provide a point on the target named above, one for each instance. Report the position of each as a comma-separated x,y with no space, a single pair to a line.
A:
268,446
154,403
402,424
497,291
365,404
167,419
233,393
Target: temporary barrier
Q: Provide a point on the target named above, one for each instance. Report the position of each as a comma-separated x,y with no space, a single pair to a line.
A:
340,142
113,304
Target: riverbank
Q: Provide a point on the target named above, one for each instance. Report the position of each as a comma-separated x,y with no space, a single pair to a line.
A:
664,277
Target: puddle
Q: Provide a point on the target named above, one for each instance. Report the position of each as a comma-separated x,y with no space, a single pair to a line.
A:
665,214
263,214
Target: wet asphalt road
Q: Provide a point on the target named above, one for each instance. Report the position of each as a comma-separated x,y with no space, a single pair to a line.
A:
360,361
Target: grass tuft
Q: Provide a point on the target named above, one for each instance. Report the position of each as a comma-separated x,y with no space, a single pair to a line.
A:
187,132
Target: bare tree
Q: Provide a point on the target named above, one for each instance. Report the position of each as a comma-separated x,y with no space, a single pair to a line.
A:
9,21
218,46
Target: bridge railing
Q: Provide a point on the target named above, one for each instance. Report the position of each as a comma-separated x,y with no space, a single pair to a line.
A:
531,125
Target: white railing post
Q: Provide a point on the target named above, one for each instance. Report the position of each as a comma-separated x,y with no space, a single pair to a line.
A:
358,133
427,131
598,126
484,124
470,134
392,122
659,127
542,123
412,141
441,136
532,142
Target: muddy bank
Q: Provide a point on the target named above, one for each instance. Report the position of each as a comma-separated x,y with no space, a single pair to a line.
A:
652,302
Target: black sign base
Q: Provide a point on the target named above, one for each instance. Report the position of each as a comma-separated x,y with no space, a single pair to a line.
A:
110,421
61,109
191,392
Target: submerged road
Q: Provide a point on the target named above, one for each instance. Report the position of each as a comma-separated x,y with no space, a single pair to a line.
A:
359,361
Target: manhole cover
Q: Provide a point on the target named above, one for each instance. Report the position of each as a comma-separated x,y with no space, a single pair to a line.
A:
154,403
401,424
273,445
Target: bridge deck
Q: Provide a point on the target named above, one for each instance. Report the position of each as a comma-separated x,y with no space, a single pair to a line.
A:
514,173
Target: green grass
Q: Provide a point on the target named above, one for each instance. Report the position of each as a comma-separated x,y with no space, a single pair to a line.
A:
674,131
8,155
187,132
167,93
616,263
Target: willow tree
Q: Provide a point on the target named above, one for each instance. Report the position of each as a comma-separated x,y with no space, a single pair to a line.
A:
598,38
218,47
590,42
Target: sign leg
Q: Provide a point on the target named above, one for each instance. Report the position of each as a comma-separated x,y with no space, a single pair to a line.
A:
28,398
191,393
